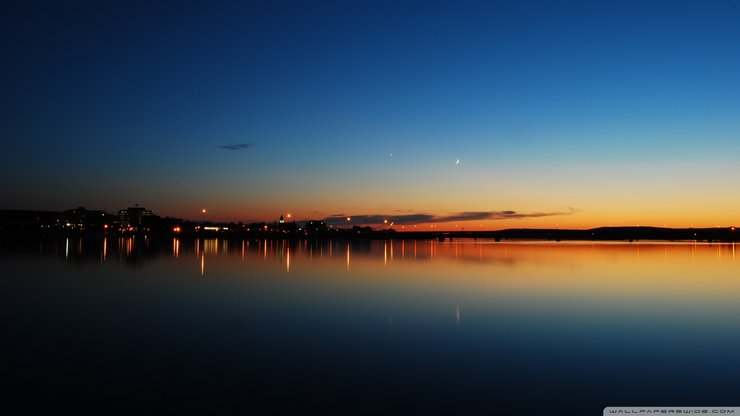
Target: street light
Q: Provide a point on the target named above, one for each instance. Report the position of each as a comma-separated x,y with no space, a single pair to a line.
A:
203,211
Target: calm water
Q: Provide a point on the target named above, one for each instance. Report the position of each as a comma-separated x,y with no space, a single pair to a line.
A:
134,325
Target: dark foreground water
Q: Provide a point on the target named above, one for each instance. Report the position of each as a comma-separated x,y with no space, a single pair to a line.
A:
131,326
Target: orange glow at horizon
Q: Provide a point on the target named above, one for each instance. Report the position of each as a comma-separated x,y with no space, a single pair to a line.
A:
586,216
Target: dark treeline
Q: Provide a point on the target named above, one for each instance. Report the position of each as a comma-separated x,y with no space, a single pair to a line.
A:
727,234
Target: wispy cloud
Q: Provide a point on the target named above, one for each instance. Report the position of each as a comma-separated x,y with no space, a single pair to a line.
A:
421,218
378,219
237,146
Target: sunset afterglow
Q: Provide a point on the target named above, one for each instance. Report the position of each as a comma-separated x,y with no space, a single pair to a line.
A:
495,115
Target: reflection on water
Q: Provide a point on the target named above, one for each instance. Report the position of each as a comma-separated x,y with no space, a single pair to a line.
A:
451,256
139,247
421,325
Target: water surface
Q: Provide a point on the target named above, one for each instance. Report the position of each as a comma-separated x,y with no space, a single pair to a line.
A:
127,325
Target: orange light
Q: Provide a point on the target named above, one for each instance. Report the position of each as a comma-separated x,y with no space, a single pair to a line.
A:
176,229
105,226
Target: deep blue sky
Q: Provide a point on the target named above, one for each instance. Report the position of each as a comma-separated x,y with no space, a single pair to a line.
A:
608,111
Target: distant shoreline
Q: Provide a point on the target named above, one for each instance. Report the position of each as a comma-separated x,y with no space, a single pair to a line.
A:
627,234
140,221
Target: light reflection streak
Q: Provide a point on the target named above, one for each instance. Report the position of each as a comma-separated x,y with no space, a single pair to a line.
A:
66,248
385,253
203,264
105,247
347,255
287,260
210,246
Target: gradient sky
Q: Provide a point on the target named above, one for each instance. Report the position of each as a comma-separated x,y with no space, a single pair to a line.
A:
561,114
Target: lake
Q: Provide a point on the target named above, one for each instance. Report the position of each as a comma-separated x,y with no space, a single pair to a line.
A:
134,325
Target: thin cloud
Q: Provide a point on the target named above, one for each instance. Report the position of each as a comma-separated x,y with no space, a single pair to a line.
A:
379,218
238,146
421,218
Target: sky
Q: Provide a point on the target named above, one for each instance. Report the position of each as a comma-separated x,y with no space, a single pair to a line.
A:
474,115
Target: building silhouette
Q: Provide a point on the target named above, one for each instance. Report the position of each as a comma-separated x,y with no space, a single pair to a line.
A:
316,227
135,218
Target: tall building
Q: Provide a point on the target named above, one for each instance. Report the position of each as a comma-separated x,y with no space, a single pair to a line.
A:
134,218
